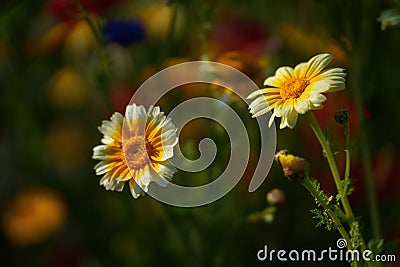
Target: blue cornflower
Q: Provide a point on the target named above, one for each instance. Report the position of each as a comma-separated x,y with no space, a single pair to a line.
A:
123,32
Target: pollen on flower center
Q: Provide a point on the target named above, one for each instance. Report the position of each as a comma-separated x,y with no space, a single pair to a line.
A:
136,151
293,88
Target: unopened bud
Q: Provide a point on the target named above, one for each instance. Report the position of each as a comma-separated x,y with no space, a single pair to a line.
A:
295,168
279,153
342,116
275,196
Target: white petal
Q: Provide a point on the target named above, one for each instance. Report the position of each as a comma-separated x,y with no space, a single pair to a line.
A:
280,109
107,140
292,119
111,184
257,101
271,120
317,98
299,68
108,129
117,119
254,94
260,110
136,191
301,106
101,167
284,73
315,65
169,139
284,122
273,81
166,171
144,180
135,117
287,107
320,86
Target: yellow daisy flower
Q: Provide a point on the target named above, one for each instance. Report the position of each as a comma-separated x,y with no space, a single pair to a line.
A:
136,148
295,91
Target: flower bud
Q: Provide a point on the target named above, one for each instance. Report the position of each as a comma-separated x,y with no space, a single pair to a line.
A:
275,196
279,153
342,116
295,168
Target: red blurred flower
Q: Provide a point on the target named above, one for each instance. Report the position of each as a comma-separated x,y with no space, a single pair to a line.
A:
240,34
121,94
384,166
67,10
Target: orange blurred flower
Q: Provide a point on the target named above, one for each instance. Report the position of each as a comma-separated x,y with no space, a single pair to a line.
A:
33,216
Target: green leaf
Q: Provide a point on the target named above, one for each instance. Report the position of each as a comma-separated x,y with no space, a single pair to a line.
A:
375,245
322,218
355,233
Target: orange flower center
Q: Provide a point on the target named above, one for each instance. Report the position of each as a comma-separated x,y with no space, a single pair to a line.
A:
293,88
137,151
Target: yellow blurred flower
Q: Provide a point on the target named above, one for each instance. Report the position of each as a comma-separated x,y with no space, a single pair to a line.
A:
72,138
33,216
142,157
157,18
51,40
296,91
67,89
80,41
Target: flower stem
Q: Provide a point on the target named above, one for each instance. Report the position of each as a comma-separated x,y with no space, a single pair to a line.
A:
347,150
349,215
362,43
306,182
170,37
332,163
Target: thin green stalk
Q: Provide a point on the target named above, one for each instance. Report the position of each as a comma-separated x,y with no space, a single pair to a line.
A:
362,59
332,164
347,150
101,52
170,37
306,182
366,161
340,211
335,172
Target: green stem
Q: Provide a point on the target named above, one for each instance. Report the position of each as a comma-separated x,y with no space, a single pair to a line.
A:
340,211
361,42
170,37
347,150
306,182
332,164
364,144
335,172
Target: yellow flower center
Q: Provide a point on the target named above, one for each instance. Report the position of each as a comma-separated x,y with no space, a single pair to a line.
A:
137,151
293,88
